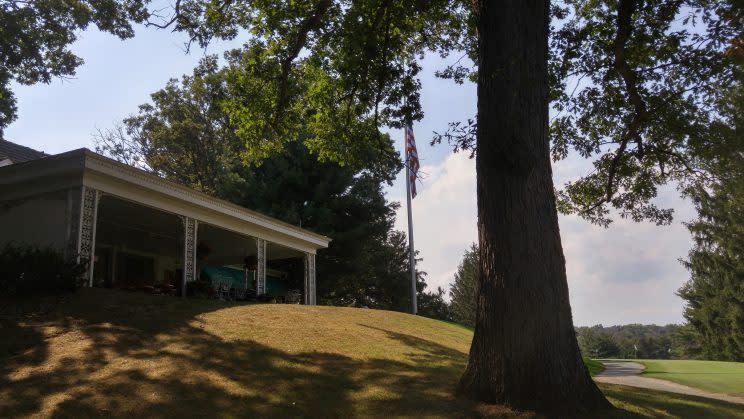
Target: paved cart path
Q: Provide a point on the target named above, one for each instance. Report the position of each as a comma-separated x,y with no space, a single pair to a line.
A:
629,374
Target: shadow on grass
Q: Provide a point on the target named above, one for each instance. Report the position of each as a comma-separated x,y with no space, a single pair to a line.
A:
107,353
122,354
426,347
642,403
689,373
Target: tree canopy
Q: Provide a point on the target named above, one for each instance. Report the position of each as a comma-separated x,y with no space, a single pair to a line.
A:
338,70
35,39
636,86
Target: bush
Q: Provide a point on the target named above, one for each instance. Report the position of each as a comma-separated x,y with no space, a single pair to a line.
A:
29,270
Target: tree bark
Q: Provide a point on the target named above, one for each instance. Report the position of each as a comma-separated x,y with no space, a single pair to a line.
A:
524,351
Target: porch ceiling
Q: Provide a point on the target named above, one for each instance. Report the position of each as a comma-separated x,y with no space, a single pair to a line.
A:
129,225
116,211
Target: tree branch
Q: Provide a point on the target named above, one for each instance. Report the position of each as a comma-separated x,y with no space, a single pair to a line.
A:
625,10
308,24
176,16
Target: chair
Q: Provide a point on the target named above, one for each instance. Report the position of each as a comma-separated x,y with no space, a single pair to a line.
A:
250,294
224,291
293,297
221,288
216,286
240,293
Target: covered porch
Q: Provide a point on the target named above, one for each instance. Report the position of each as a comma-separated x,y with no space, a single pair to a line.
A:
142,248
141,232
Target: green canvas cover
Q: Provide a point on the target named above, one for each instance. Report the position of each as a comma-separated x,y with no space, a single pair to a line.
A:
235,276
275,286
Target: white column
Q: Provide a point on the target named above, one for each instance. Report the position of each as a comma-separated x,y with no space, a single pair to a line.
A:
86,240
310,279
190,227
260,266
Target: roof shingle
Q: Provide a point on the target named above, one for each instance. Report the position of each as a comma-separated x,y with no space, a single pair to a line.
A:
17,153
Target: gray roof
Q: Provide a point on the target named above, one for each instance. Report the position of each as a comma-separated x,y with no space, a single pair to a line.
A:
17,153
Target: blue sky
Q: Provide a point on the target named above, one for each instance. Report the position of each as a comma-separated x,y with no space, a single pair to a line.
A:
627,273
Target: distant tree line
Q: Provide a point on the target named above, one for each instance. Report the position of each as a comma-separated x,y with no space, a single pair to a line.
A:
639,341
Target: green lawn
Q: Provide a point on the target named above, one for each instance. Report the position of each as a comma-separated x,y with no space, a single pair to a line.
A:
108,353
715,376
642,403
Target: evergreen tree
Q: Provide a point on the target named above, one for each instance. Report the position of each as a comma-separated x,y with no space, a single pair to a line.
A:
464,288
433,305
686,343
365,263
715,292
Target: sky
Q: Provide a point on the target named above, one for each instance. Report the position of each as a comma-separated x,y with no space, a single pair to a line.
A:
627,273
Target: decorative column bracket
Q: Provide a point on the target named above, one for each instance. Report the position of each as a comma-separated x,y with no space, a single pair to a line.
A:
260,266
190,227
86,241
310,279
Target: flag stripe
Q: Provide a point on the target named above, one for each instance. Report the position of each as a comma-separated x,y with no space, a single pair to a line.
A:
412,160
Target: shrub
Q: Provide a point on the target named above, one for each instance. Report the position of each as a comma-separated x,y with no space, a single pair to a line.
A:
29,270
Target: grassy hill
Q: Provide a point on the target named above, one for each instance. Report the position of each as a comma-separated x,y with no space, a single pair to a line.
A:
99,353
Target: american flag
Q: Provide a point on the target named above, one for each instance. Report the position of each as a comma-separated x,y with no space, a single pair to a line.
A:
411,159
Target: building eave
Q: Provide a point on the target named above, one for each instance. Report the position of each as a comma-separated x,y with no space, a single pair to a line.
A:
93,167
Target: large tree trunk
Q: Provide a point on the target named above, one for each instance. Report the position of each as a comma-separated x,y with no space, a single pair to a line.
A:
524,351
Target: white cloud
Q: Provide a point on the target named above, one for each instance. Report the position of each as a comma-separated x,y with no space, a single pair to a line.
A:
444,216
624,274
627,273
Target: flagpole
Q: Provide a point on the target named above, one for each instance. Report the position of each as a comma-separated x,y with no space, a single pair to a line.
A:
411,251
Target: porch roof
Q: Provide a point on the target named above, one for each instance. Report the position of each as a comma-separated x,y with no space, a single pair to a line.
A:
84,167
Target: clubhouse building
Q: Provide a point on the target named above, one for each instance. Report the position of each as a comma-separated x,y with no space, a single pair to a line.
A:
140,231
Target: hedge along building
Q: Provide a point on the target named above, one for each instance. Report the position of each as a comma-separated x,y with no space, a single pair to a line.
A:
138,229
